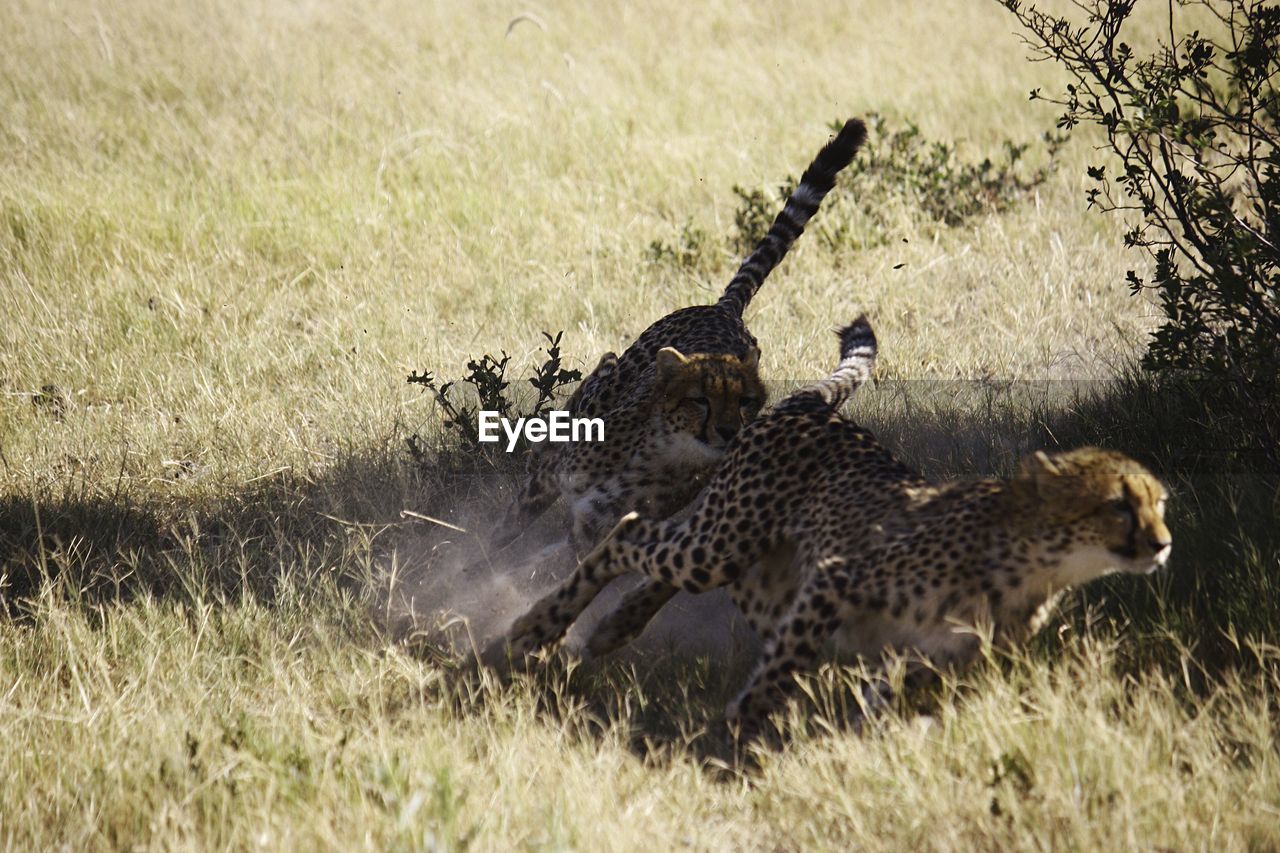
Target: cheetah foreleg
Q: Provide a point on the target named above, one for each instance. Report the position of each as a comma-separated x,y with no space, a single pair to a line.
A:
593,521
539,492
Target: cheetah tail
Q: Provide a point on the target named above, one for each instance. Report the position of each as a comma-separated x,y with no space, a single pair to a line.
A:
815,183
857,358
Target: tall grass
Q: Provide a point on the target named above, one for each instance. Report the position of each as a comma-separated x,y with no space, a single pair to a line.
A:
228,231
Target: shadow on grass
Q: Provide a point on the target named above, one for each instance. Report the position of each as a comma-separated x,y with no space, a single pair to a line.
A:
1221,589
1195,620
301,529
1223,582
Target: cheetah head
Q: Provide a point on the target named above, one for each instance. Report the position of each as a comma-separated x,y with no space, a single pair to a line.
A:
708,396
1109,508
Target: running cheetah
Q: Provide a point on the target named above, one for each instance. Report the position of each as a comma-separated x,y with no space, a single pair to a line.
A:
815,527
676,398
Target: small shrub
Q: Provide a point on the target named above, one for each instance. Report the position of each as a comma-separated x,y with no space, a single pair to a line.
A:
755,213
691,249
485,388
899,177
900,168
1193,130
947,188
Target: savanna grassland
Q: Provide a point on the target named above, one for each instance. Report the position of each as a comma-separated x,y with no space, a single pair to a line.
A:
229,231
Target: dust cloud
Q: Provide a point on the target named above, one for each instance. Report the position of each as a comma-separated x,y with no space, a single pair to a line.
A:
458,597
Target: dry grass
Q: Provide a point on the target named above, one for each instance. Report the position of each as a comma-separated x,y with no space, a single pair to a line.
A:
228,231
205,726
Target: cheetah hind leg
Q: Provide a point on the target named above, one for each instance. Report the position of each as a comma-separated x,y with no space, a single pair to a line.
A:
812,619
665,551
636,609
549,618
628,619
773,578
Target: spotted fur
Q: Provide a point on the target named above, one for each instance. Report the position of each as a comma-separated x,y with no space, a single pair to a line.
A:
675,398
820,534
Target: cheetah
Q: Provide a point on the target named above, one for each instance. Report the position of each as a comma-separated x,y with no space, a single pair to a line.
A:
675,398
821,534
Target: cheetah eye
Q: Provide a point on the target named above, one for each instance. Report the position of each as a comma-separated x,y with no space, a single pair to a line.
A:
1120,506
749,403
700,402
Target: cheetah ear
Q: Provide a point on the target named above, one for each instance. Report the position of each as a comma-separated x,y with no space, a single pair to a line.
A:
670,363
752,361
1043,464
1037,471
1039,466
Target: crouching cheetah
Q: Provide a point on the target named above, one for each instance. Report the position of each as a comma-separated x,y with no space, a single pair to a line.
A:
676,397
815,527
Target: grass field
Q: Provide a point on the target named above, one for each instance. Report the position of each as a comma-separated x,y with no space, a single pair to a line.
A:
228,231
